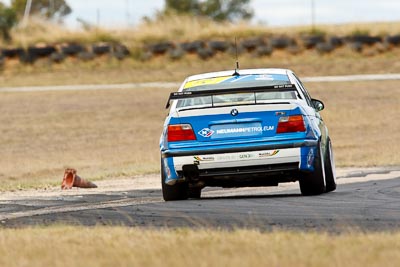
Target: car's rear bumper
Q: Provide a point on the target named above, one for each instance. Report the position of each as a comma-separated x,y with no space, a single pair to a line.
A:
238,159
252,158
233,149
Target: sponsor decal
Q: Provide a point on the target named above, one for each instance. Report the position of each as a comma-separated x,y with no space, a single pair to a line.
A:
204,158
209,81
264,77
268,154
206,132
246,156
268,128
243,156
245,130
238,79
229,157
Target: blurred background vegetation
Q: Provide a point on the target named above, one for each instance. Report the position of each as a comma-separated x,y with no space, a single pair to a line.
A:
218,10
56,10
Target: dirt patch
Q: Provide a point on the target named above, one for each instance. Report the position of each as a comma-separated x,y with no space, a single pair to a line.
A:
142,182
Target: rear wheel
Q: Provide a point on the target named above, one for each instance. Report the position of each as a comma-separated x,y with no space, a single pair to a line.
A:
330,172
313,183
178,191
195,193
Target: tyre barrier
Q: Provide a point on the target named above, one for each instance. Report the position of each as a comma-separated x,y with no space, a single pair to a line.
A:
311,41
392,40
265,46
205,53
86,56
72,49
58,53
41,52
365,39
160,48
251,44
2,61
120,51
101,49
27,58
120,48
281,42
324,48
262,46
120,55
57,57
11,52
192,47
218,46
336,41
356,47
263,50
233,50
176,54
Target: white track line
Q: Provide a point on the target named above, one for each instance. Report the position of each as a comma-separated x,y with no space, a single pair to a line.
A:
78,87
352,78
80,207
174,85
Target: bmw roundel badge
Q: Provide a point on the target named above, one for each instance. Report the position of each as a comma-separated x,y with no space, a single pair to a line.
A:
234,112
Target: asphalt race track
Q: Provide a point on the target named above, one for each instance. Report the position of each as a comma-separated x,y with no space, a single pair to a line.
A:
366,199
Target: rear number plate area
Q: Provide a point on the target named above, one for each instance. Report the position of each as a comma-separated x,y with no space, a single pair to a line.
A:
236,130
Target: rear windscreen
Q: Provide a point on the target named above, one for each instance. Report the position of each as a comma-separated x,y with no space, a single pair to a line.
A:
231,82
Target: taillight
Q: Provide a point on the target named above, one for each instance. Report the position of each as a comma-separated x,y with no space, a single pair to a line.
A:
291,124
180,132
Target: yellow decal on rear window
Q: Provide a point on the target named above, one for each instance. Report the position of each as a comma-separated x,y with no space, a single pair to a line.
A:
206,82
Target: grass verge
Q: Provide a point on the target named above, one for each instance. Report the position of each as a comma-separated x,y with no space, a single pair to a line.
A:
118,246
363,119
100,133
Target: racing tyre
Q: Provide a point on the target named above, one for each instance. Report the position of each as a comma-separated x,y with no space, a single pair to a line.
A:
195,193
178,191
313,183
330,172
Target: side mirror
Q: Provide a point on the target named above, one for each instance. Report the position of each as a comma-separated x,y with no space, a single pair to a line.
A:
318,105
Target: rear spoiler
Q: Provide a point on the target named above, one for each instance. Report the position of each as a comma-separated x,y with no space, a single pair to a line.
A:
192,94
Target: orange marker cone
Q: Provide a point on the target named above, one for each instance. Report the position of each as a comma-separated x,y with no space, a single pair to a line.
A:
71,179
82,183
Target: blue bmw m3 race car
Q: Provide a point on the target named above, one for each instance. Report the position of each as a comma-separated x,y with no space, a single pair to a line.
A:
255,127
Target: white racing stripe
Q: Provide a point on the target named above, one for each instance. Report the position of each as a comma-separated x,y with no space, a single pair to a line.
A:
239,159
